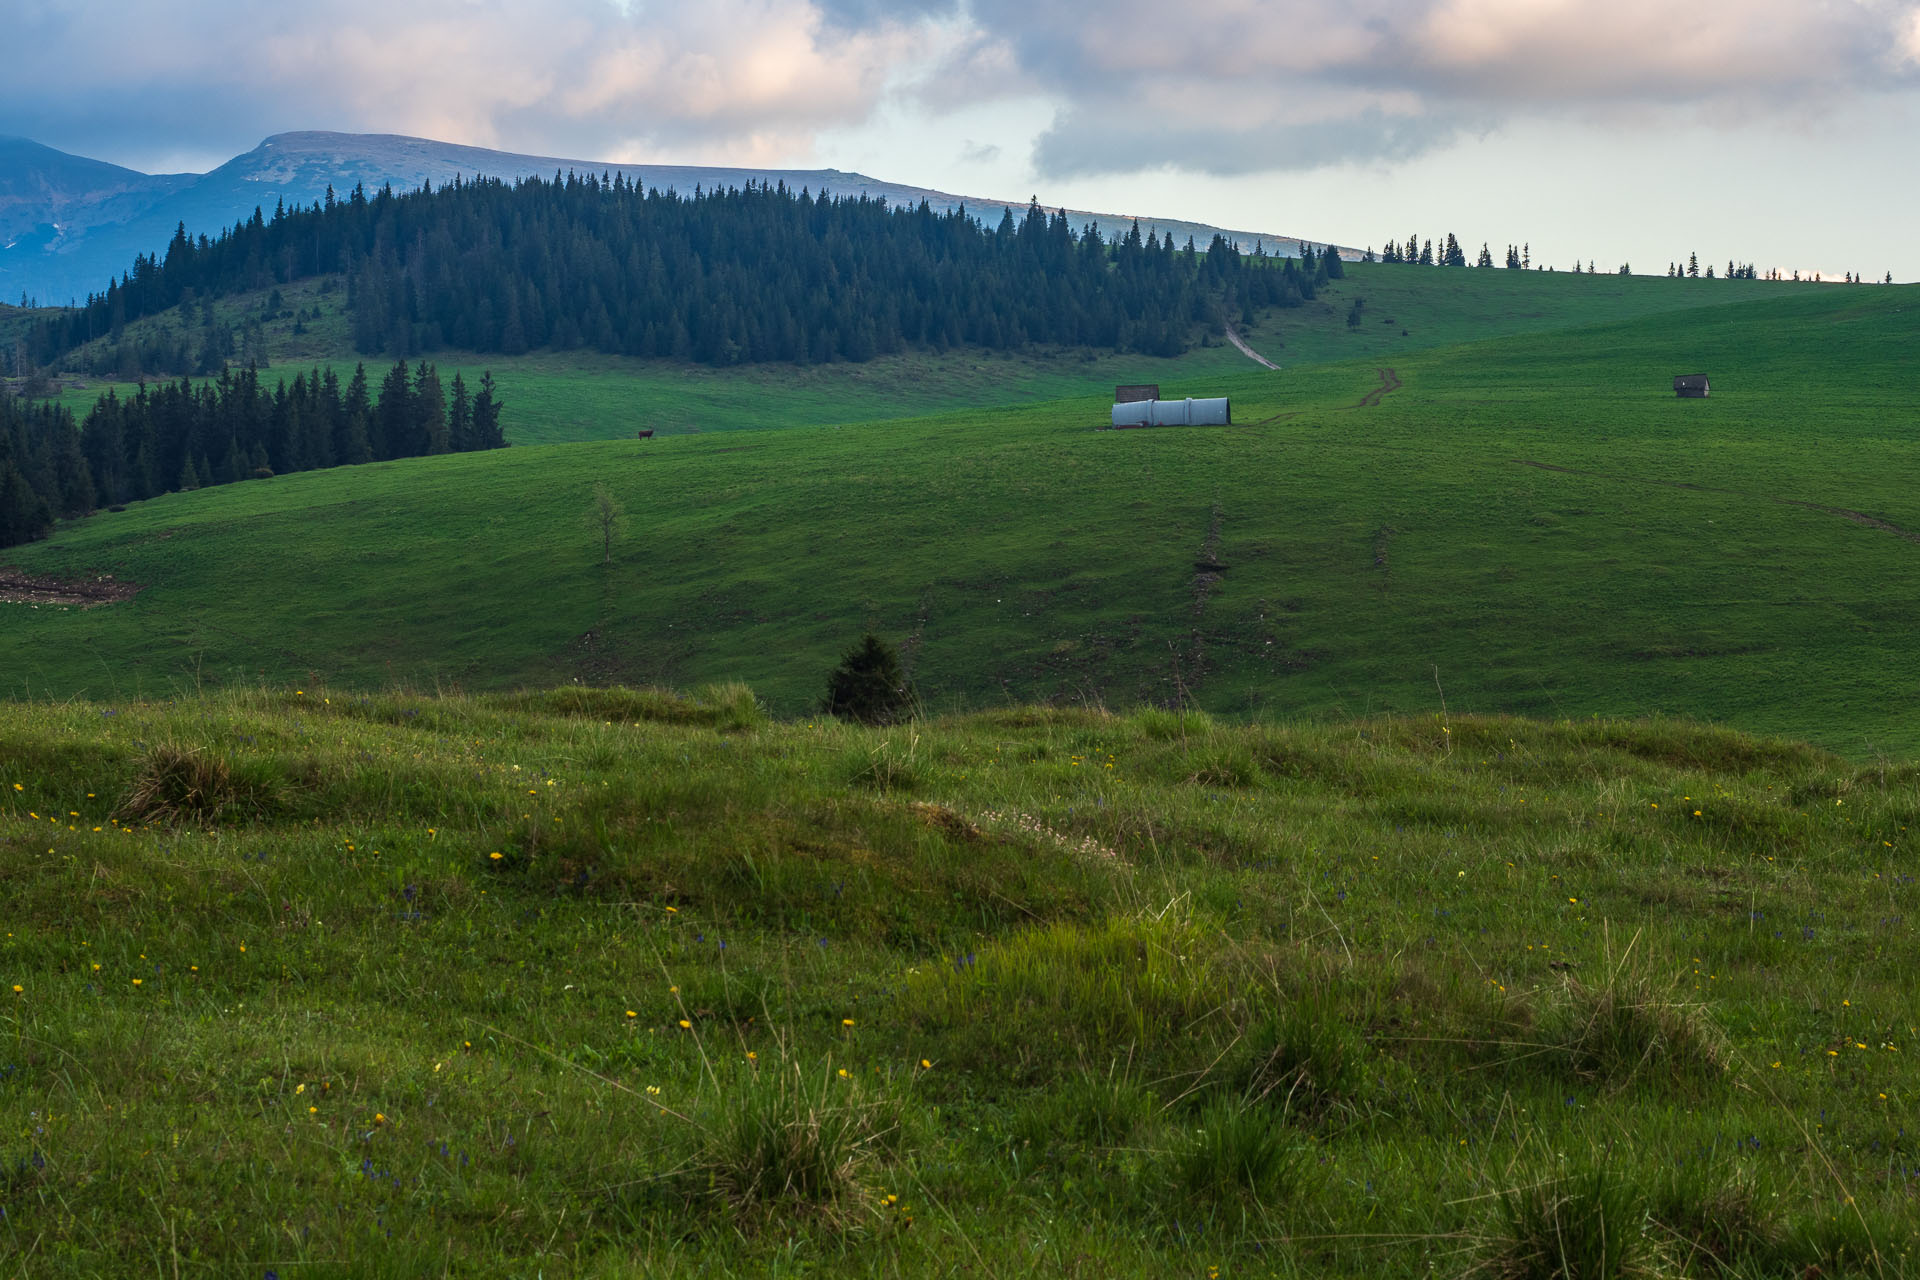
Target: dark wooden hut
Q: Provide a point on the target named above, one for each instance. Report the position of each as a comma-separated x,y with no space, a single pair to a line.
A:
1133,394
1691,386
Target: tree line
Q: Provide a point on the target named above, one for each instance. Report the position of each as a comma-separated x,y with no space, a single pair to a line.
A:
752,274
1519,257
178,436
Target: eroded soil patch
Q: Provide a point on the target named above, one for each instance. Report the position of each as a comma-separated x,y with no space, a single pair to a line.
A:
20,587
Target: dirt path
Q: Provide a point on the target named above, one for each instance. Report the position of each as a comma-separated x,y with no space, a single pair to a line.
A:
1845,513
1389,383
1233,336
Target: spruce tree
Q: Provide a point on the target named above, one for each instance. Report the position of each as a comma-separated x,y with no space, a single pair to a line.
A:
869,685
459,417
24,514
429,429
486,416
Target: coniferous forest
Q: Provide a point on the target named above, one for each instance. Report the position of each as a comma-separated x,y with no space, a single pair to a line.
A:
177,436
719,277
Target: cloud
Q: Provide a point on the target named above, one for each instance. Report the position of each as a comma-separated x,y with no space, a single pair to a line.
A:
1231,86
1083,142
1909,46
1218,86
1584,51
732,77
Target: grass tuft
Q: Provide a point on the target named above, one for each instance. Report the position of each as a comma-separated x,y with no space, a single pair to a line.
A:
1070,995
1094,1109
1588,1225
1634,1027
733,703
790,1138
1713,1216
1305,1061
178,783
884,768
1238,1152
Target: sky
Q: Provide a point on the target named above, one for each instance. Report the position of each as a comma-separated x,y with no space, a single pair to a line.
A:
1777,132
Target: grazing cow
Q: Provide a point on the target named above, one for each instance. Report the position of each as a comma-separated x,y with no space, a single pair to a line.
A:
647,434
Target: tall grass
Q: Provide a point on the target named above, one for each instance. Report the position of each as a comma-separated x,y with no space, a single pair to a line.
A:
1426,997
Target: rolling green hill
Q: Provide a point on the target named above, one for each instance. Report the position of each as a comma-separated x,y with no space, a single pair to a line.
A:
1532,524
563,397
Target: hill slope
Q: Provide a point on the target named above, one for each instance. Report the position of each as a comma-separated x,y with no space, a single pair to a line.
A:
604,983
1531,525
570,396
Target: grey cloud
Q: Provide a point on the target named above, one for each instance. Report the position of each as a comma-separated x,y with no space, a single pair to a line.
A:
1224,86
1228,86
1087,142
861,14
725,76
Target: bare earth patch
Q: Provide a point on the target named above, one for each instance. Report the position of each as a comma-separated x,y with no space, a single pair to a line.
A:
18,587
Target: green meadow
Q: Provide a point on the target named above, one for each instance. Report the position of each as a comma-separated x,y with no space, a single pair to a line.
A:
599,982
1455,821
568,397
1532,524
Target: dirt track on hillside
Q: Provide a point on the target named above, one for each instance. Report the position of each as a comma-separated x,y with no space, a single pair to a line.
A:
18,587
1389,383
1234,337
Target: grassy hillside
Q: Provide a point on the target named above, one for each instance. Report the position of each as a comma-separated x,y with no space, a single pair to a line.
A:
558,397
610,983
1532,525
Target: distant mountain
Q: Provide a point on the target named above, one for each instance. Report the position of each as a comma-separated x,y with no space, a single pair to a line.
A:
52,204
68,224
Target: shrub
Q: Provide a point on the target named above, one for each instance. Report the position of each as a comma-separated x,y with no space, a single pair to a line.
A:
869,686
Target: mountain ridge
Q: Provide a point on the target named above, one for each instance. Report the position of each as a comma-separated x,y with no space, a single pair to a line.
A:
70,224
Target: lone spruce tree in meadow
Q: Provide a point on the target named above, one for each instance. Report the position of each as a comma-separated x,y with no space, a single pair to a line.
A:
869,685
